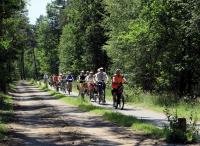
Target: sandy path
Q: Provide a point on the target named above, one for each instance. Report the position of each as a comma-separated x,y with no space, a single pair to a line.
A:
42,120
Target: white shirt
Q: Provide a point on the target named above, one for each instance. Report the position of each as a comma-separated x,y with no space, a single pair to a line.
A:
101,76
45,76
90,79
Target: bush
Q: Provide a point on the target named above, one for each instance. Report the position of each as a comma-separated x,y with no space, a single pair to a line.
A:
179,130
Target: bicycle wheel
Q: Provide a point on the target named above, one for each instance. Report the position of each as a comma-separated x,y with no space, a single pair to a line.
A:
82,91
103,97
91,94
114,100
99,97
121,102
69,87
82,96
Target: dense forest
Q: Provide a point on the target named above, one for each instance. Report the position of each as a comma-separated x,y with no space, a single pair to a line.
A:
155,43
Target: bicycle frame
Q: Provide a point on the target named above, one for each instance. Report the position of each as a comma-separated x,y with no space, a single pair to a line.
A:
101,91
118,97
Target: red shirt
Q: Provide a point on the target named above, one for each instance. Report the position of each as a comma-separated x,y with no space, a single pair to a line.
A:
116,80
55,78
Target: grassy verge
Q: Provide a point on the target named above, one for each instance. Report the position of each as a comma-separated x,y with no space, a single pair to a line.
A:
6,110
160,102
115,117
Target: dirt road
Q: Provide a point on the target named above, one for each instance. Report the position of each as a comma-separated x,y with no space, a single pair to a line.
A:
42,120
157,119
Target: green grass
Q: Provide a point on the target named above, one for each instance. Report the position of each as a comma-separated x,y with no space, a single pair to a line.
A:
160,102
6,111
115,117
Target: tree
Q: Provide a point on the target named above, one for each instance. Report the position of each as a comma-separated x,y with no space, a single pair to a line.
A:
83,37
10,11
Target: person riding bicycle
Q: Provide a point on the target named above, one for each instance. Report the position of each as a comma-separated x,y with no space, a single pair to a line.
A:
87,73
69,80
90,83
82,83
45,77
101,79
81,77
55,81
62,82
50,80
117,81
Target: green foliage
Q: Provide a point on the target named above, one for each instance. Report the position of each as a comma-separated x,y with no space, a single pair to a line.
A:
46,49
6,110
176,131
13,38
83,37
158,43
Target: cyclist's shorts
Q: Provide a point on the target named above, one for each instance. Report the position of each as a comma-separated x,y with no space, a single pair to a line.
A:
83,85
91,86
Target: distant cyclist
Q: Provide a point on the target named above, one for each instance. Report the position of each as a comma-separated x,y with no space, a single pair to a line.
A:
82,84
90,84
117,81
101,79
87,73
81,77
55,81
45,77
69,80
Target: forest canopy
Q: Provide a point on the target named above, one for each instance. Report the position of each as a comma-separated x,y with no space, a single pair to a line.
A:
155,43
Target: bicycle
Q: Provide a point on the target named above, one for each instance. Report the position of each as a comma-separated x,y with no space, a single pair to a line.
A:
69,86
63,86
91,88
101,91
119,98
82,87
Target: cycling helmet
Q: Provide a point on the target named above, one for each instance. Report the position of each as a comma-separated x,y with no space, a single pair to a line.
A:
117,71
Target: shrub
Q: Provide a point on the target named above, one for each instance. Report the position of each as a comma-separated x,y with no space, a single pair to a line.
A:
179,131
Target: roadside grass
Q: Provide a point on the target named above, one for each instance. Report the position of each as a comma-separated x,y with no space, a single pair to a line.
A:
160,102
6,113
115,117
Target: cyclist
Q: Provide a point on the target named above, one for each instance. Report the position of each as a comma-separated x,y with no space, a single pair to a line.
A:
62,82
81,77
90,84
101,79
50,80
82,85
86,89
45,77
56,82
69,80
117,81
87,73
60,77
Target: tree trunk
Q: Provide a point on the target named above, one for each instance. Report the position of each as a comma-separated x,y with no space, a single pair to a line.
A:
35,64
3,78
22,70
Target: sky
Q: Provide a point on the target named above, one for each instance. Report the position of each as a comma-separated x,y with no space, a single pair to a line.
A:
36,8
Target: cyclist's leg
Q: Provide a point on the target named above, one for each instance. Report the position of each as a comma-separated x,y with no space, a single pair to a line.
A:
114,94
118,97
104,93
70,87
